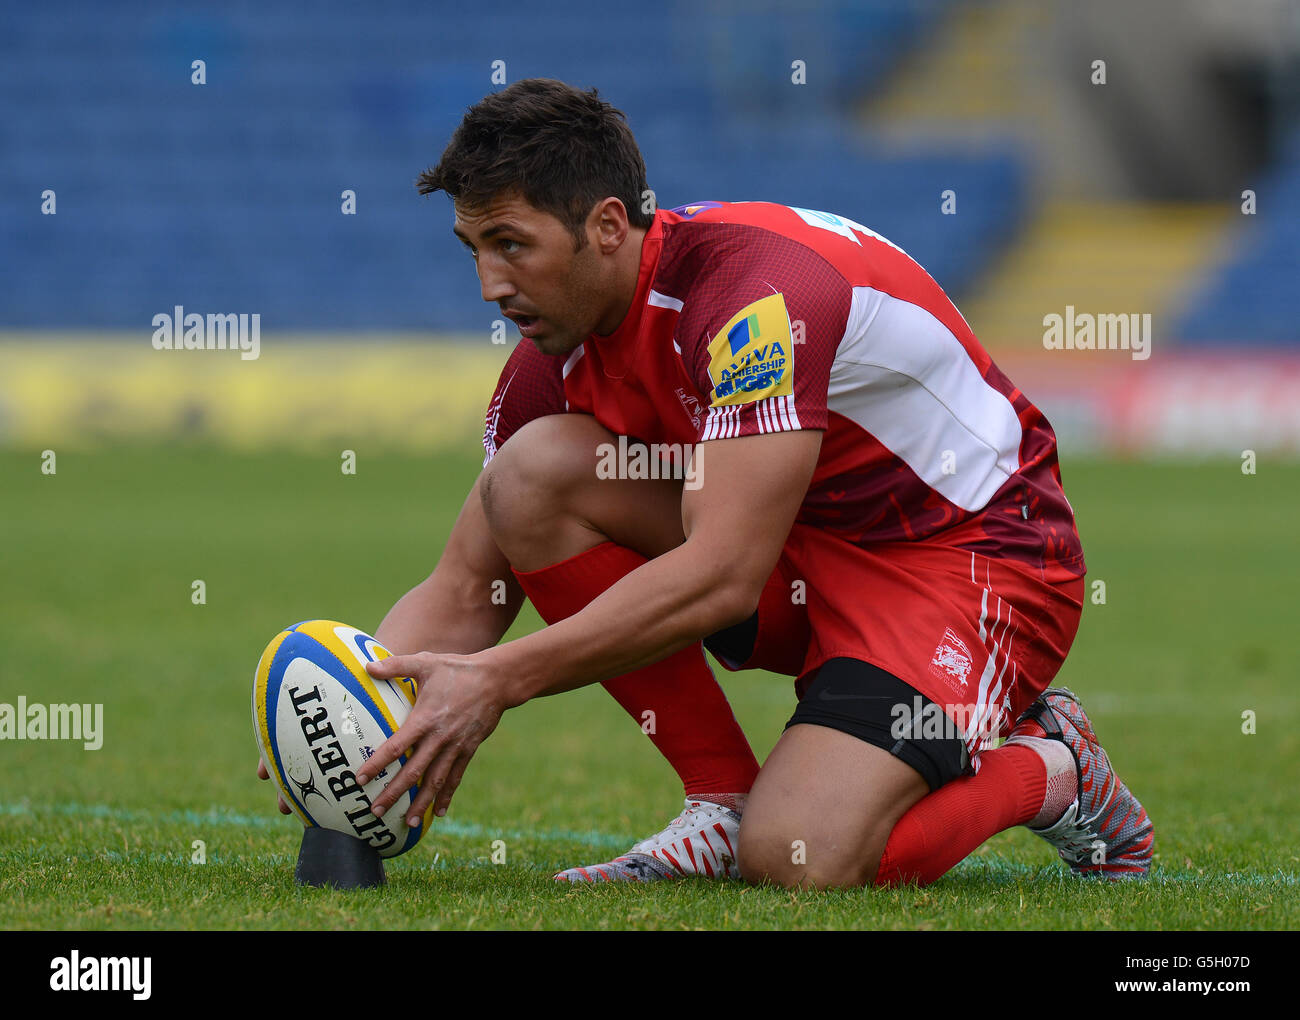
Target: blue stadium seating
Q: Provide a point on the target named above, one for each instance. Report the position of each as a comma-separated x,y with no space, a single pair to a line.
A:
1251,299
225,197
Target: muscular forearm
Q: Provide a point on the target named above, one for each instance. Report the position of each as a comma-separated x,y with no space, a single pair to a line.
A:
445,614
466,604
663,606
711,581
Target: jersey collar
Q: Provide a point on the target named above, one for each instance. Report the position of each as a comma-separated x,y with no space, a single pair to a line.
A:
613,346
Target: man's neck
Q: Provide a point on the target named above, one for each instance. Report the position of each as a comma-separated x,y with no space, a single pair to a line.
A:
627,272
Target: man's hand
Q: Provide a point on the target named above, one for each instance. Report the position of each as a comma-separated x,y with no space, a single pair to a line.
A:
458,704
712,580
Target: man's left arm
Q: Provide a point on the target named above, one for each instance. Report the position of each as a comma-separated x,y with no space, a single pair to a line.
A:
736,522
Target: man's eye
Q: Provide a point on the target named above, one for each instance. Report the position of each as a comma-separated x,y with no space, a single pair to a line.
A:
510,251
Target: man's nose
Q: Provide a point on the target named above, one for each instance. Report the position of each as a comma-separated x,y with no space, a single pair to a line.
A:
494,282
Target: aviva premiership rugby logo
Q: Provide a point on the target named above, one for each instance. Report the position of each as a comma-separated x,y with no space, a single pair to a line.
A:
752,357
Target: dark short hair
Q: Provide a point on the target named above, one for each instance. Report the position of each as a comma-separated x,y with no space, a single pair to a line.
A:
562,149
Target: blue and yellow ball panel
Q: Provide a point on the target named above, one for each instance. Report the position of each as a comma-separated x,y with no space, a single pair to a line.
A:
318,715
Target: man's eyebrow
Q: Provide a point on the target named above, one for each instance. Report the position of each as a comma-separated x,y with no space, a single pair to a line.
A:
493,230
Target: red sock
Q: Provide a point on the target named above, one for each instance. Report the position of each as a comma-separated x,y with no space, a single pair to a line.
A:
694,727
943,828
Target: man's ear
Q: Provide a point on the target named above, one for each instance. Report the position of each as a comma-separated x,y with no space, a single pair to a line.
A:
609,219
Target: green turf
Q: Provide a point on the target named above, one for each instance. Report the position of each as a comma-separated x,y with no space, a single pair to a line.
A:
96,567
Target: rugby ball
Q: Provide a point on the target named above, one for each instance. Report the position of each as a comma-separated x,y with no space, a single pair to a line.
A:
318,715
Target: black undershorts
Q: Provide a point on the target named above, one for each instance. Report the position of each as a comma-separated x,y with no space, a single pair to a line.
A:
866,702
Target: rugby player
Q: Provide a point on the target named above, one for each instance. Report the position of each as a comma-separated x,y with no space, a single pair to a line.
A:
861,501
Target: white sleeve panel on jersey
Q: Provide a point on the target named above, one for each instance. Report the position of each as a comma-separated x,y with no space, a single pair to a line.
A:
492,421
905,378
772,414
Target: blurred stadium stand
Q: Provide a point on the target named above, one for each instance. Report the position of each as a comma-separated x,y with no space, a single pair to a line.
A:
1251,297
226,196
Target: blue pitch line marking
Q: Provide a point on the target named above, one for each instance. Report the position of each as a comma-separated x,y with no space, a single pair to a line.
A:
225,816
181,859
988,869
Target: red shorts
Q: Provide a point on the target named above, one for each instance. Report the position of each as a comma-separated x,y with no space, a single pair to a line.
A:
981,638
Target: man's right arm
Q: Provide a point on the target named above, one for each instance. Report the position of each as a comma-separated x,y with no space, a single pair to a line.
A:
460,607
466,604
471,598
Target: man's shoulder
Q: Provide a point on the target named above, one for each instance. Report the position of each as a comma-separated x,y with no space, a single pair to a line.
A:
715,250
532,366
530,384
732,230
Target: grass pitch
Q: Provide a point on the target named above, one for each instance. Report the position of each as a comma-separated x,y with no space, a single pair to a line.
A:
97,566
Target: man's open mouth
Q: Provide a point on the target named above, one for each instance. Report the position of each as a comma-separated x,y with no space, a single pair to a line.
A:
527,323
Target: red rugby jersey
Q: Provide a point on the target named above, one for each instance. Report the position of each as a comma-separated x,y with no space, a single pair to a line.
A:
751,317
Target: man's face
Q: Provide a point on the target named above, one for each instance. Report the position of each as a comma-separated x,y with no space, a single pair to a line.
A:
526,264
